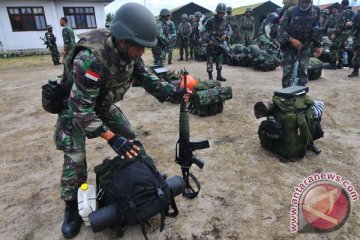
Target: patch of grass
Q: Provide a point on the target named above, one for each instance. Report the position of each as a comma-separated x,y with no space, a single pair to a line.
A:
25,62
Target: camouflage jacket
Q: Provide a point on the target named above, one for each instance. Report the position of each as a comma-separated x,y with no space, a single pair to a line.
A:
331,21
99,74
215,28
50,39
172,30
345,16
231,20
163,32
184,30
247,23
301,25
195,30
68,37
262,27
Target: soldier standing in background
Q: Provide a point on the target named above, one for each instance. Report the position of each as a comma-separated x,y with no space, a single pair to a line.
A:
183,33
330,24
324,17
247,27
68,36
192,39
231,20
163,33
340,36
50,41
355,32
298,29
196,35
172,39
215,31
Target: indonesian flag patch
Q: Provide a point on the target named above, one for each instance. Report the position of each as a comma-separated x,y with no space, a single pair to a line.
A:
92,75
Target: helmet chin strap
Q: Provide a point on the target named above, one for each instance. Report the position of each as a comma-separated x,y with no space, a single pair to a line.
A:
305,9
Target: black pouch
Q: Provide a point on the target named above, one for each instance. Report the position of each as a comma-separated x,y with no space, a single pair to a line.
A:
52,98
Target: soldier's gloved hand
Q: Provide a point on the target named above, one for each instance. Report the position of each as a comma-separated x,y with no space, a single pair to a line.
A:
123,146
296,43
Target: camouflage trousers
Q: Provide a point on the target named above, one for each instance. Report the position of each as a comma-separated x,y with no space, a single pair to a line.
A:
246,37
356,48
70,138
158,55
55,55
338,47
211,57
290,57
184,46
170,52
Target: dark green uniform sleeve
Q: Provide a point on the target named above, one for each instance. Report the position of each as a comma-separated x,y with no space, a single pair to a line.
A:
84,92
159,88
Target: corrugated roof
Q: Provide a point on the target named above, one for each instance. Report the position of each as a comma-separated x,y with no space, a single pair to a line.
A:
241,10
323,6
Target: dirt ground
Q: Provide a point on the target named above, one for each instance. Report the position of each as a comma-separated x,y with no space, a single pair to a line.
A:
246,191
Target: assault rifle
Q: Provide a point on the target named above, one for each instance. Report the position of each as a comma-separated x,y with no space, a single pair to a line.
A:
45,42
184,148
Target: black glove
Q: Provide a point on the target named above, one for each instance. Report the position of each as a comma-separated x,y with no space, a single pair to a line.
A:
120,144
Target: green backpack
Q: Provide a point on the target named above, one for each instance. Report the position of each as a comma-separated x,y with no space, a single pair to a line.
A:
289,128
315,68
209,98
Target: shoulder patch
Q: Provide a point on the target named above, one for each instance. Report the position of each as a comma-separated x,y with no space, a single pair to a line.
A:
92,75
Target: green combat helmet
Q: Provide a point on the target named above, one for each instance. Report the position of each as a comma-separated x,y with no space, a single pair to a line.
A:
198,14
229,9
165,12
49,26
184,16
221,7
191,17
289,3
326,11
249,9
142,31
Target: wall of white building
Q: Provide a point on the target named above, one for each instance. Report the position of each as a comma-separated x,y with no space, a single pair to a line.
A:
53,12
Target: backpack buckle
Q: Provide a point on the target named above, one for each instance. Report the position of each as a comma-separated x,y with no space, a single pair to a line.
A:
160,192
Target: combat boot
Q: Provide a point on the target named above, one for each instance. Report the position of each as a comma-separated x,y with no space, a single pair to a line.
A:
219,77
72,220
210,75
339,65
169,62
181,58
186,58
355,73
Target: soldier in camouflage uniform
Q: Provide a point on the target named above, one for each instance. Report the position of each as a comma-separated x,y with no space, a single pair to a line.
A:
68,36
97,75
192,39
324,16
340,36
163,32
184,31
231,20
355,32
297,31
51,44
247,27
172,39
216,31
330,24
196,35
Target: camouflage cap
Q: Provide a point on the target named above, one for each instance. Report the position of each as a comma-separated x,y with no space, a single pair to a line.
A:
49,26
249,9
198,14
184,16
191,17
325,11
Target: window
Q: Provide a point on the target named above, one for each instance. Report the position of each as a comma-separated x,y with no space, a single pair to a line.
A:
80,17
27,18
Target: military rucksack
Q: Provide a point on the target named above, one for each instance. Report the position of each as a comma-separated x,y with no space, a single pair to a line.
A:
136,187
290,128
208,98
